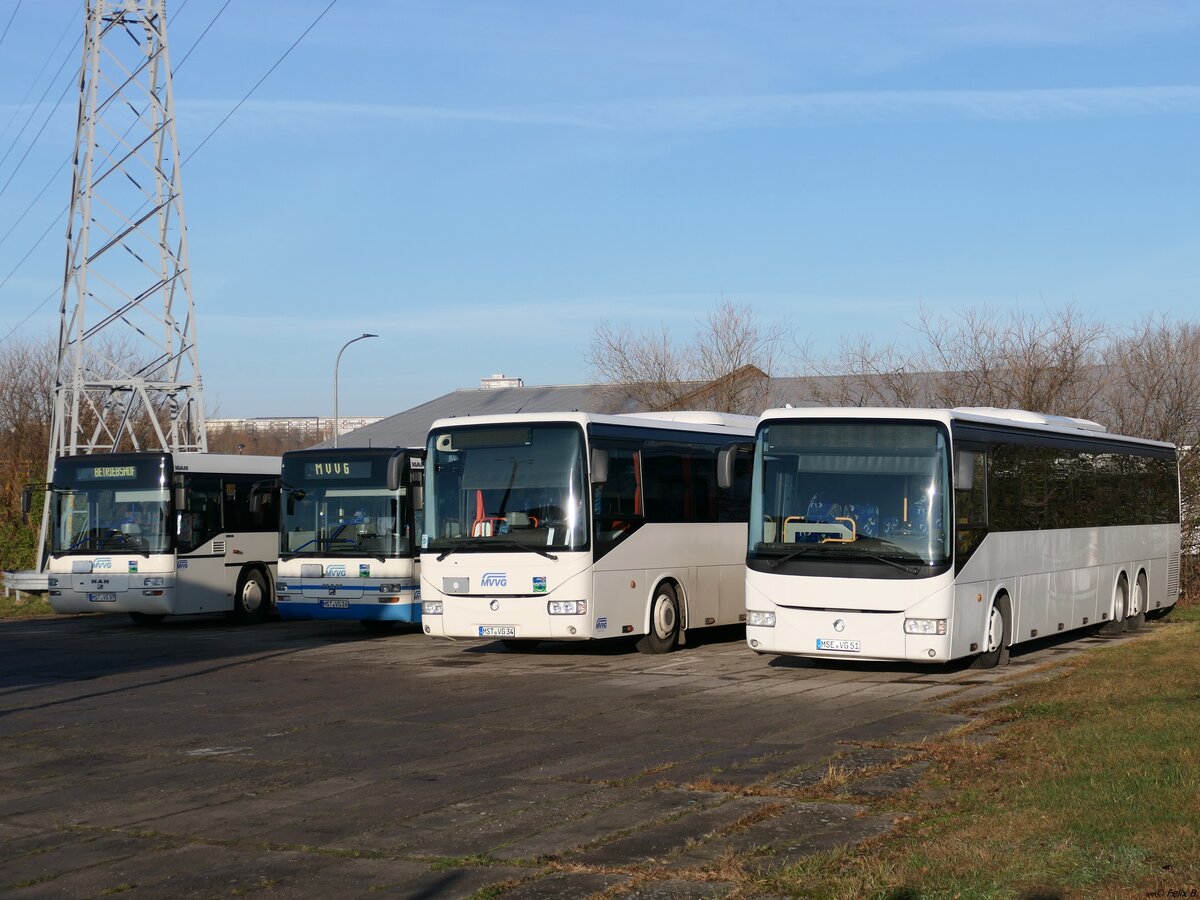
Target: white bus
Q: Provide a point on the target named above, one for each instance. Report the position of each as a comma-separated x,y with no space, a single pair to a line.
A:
154,534
346,546
573,526
933,534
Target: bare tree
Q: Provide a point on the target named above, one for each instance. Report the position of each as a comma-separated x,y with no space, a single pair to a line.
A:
725,367
976,357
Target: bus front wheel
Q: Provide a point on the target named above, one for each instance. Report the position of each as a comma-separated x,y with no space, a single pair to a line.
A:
995,650
664,621
250,602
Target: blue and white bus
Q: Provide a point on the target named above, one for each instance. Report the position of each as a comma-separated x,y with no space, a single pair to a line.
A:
346,546
934,534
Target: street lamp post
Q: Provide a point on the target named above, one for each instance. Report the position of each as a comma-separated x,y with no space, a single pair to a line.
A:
336,363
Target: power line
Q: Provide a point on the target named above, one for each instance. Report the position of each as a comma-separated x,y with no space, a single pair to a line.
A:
184,162
257,84
10,21
35,108
38,76
33,142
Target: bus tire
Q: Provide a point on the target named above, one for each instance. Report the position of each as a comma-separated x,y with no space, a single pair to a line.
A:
147,618
999,626
664,621
251,602
1136,617
378,626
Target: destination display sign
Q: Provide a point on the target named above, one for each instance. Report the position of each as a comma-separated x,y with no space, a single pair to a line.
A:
107,473
338,469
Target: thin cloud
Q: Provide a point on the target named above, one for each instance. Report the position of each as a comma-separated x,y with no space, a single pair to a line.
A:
716,113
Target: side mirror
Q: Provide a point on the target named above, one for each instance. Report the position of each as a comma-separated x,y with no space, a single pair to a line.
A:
964,469
599,465
256,501
417,495
395,468
726,460
26,502
181,498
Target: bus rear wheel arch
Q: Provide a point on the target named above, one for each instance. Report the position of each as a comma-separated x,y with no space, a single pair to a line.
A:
1135,616
996,636
664,620
251,600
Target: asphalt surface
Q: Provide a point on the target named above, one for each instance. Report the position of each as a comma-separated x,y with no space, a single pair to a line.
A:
311,759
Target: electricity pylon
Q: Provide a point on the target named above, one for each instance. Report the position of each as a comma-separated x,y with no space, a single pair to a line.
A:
128,375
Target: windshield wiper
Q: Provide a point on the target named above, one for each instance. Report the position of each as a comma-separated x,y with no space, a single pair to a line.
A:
775,564
483,547
533,548
911,570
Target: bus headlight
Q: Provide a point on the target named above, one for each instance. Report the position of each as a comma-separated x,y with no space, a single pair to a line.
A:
431,608
567,607
52,582
760,618
281,586
153,582
924,626
390,588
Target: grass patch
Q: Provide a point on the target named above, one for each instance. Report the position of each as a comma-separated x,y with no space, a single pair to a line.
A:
1091,789
27,606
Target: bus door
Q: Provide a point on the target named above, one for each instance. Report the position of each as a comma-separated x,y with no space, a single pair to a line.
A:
200,569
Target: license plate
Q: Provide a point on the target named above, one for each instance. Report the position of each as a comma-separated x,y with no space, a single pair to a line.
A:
840,646
335,604
102,598
500,631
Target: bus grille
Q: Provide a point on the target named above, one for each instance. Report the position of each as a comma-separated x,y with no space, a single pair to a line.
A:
1173,577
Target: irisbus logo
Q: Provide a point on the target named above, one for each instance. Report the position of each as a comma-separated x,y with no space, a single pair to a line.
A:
335,571
102,562
494,579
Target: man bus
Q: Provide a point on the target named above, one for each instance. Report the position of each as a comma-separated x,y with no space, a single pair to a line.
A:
346,546
574,526
154,534
934,534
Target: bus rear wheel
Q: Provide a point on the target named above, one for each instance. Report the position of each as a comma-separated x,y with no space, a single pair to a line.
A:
250,601
995,650
664,621
147,618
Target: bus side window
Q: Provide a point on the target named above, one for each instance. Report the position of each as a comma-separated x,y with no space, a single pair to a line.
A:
970,503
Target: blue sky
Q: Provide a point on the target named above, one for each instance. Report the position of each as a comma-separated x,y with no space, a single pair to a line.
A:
481,183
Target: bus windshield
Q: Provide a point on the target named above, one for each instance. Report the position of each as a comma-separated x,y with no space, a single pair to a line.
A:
111,504
873,491
501,487
339,505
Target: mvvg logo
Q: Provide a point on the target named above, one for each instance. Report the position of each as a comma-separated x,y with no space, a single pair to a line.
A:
102,562
494,579
335,571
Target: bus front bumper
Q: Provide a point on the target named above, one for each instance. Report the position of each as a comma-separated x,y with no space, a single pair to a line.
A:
845,635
